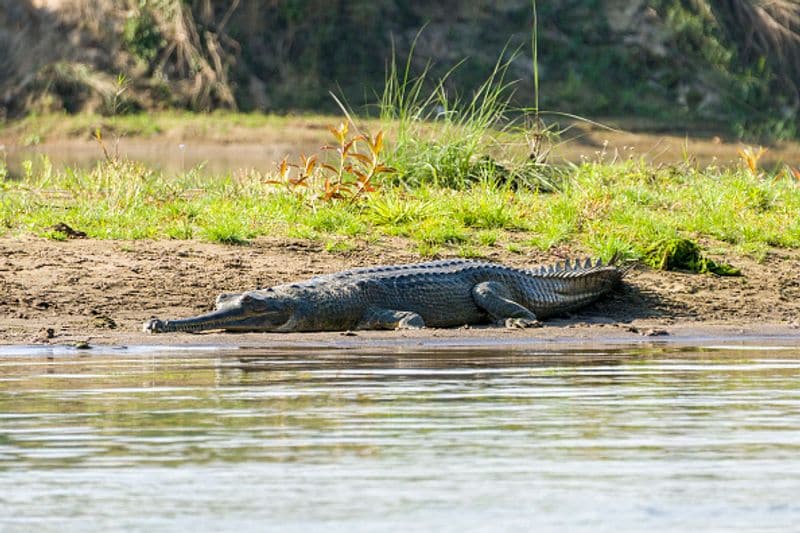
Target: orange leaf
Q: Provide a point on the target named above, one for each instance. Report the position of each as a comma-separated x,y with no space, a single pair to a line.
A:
283,169
326,166
308,163
346,147
377,145
384,169
750,157
361,157
340,133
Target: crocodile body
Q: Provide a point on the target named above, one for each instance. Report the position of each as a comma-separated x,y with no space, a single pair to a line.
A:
443,293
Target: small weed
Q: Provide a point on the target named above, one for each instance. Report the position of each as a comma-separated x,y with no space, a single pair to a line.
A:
180,230
224,235
339,246
470,252
336,220
487,210
438,232
303,232
391,209
427,250
224,226
488,237
54,235
608,245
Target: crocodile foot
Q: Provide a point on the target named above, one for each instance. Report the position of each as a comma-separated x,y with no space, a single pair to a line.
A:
153,325
522,323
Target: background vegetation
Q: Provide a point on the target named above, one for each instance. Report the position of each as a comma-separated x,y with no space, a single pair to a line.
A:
731,64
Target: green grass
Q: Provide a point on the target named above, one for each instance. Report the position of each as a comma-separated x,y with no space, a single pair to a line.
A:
601,209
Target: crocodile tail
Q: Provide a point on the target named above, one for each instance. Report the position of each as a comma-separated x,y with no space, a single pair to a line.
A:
580,268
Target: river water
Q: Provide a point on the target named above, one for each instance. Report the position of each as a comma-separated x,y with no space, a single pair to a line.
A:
635,439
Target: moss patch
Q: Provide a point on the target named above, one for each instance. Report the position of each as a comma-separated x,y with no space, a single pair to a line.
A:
683,254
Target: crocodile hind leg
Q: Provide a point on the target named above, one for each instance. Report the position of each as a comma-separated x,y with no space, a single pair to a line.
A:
379,318
495,298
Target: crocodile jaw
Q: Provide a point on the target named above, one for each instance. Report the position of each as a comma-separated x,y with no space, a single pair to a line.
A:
243,314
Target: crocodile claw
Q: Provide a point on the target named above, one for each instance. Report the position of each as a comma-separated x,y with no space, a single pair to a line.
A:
521,323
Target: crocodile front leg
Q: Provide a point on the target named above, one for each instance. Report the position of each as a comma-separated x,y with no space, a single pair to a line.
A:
379,318
495,298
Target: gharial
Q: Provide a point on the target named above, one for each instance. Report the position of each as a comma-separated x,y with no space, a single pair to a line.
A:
443,293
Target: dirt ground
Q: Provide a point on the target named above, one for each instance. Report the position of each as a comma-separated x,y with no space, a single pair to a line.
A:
100,292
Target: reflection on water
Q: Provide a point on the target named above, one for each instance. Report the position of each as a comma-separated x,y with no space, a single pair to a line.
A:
437,441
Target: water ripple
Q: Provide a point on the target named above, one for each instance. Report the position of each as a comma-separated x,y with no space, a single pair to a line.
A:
457,441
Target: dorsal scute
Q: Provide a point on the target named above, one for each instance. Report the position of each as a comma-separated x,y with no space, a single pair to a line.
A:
569,268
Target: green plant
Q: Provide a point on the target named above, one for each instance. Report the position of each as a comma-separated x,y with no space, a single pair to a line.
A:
470,252
428,250
338,246
393,209
439,232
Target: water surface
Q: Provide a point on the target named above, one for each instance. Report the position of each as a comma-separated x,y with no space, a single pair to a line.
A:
665,439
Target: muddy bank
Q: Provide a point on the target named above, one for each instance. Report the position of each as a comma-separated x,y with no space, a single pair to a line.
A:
81,290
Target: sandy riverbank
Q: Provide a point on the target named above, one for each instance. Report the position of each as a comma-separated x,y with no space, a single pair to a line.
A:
100,292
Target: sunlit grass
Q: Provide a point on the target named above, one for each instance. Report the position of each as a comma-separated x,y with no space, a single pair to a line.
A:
602,209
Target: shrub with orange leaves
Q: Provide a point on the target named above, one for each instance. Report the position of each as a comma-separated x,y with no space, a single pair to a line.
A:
347,176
